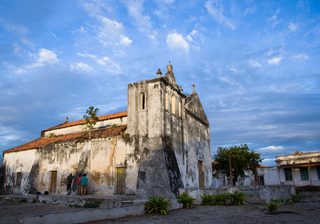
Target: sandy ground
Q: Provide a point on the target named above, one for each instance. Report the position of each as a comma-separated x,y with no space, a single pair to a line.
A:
302,213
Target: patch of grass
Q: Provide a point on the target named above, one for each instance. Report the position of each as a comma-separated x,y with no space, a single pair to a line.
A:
273,206
237,198
186,200
207,199
92,204
157,206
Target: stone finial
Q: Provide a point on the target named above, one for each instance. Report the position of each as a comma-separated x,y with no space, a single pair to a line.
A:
193,88
159,73
169,68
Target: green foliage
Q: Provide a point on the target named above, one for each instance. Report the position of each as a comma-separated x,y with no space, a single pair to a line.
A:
273,206
220,199
186,200
157,205
91,117
241,159
207,199
237,198
92,204
295,198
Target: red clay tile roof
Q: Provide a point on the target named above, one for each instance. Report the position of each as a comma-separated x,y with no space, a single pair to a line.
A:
79,122
44,141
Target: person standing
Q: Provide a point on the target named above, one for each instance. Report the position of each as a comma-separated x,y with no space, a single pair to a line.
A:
78,182
69,183
84,184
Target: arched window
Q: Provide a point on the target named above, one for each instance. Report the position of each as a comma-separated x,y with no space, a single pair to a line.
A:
166,101
173,104
142,101
180,109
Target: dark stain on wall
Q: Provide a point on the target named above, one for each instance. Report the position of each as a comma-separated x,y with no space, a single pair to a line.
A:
2,178
172,166
30,188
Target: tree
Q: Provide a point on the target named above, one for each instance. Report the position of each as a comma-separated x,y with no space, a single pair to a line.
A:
237,159
91,118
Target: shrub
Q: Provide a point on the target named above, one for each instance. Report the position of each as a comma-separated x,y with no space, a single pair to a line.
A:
157,205
186,200
92,204
220,199
295,198
207,199
237,198
273,206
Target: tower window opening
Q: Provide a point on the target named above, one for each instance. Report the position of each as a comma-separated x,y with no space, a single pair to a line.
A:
142,101
166,99
173,104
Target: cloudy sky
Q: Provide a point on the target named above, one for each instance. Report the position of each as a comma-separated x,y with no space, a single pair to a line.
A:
256,65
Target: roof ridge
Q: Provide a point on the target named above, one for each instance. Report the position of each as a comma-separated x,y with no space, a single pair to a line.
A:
44,141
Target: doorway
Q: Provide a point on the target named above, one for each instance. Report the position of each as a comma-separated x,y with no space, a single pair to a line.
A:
53,181
201,174
121,178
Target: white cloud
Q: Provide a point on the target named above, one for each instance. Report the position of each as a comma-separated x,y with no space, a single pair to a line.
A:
125,41
191,35
45,57
275,60
143,21
111,32
176,41
10,135
81,67
216,10
254,64
272,148
293,26
105,61
300,57
274,20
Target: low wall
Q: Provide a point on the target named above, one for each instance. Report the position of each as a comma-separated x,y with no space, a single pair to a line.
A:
280,192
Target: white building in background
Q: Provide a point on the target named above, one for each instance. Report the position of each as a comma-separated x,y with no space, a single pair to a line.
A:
299,169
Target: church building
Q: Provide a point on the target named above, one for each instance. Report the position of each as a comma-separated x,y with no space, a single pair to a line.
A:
159,146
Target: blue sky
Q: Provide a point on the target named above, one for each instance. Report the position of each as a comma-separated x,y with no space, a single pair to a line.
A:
256,65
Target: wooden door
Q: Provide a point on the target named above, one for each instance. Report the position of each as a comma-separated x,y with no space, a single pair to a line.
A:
121,178
53,182
201,175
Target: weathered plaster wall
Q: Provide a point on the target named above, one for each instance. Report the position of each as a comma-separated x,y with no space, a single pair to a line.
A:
175,141
18,162
80,128
97,157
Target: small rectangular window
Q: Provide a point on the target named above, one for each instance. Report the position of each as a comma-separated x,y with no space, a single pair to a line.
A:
304,173
18,180
288,174
318,172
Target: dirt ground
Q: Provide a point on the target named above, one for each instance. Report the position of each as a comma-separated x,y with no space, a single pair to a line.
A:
302,213
11,211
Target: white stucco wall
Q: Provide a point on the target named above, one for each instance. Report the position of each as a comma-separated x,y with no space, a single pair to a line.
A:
79,128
